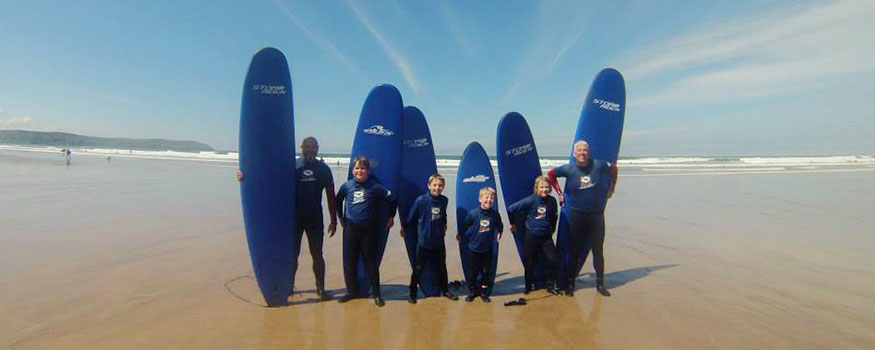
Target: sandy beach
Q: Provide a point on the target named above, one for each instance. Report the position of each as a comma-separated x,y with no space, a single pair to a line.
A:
151,254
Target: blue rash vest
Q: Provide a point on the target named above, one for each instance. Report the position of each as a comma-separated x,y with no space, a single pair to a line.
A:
362,201
481,226
540,214
429,215
586,188
313,177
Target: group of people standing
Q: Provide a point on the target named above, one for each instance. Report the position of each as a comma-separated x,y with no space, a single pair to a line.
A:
589,184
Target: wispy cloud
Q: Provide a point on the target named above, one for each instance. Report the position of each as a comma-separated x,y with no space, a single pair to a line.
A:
28,123
558,28
776,53
453,21
400,62
320,41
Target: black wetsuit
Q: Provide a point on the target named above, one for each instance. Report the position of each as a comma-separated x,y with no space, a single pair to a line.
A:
540,223
361,231
312,177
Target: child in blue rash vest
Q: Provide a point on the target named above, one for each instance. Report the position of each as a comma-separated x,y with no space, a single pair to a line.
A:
483,228
540,212
359,219
428,216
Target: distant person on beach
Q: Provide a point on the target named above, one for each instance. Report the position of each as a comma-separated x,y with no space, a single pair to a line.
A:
590,184
313,178
361,226
541,213
69,155
428,216
483,228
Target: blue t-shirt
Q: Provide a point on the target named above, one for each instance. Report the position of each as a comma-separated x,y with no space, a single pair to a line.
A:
481,226
540,214
428,216
362,201
312,177
586,188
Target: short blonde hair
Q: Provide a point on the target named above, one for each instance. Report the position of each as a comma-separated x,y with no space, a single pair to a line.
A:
361,161
436,177
487,191
542,179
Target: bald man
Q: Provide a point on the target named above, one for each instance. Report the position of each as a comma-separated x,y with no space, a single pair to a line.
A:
313,178
590,182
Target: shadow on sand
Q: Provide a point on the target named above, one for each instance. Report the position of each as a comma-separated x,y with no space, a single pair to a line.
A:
515,285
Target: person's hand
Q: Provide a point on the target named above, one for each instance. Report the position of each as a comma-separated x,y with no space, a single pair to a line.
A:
562,199
458,237
512,228
402,233
391,222
610,192
332,228
498,237
239,175
343,223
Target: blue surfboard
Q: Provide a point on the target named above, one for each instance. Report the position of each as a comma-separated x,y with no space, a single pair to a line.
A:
417,164
518,167
267,159
475,172
601,126
378,137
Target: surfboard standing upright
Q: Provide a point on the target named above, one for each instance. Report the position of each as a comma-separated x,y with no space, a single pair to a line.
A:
518,166
417,164
378,137
267,160
601,125
475,172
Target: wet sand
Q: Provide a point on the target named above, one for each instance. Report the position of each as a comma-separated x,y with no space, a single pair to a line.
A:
152,254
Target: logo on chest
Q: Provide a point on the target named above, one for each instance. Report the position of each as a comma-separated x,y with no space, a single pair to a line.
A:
541,212
358,197
307,176
485,225
435,213
586,182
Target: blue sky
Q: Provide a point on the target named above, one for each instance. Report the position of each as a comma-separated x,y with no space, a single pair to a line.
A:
703,78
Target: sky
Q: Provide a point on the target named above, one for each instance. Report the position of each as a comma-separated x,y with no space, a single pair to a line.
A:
702,77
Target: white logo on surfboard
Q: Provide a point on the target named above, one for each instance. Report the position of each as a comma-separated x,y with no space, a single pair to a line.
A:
518,151
270,89
415,143
476,178
378,130
607,105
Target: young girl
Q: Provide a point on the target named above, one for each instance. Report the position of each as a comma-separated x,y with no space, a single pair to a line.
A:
540,213
359,219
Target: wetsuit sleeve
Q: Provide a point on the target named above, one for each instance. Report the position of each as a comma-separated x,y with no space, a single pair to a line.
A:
554,216
498,224
390,197
413,215
338,200
469,219
614,175
514,210
553,174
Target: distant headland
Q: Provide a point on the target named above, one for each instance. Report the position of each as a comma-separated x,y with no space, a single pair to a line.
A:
63,139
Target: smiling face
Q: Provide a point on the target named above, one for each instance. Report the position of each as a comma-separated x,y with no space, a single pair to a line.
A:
581,153
543,189
486,200
436,187
360,172
309,149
